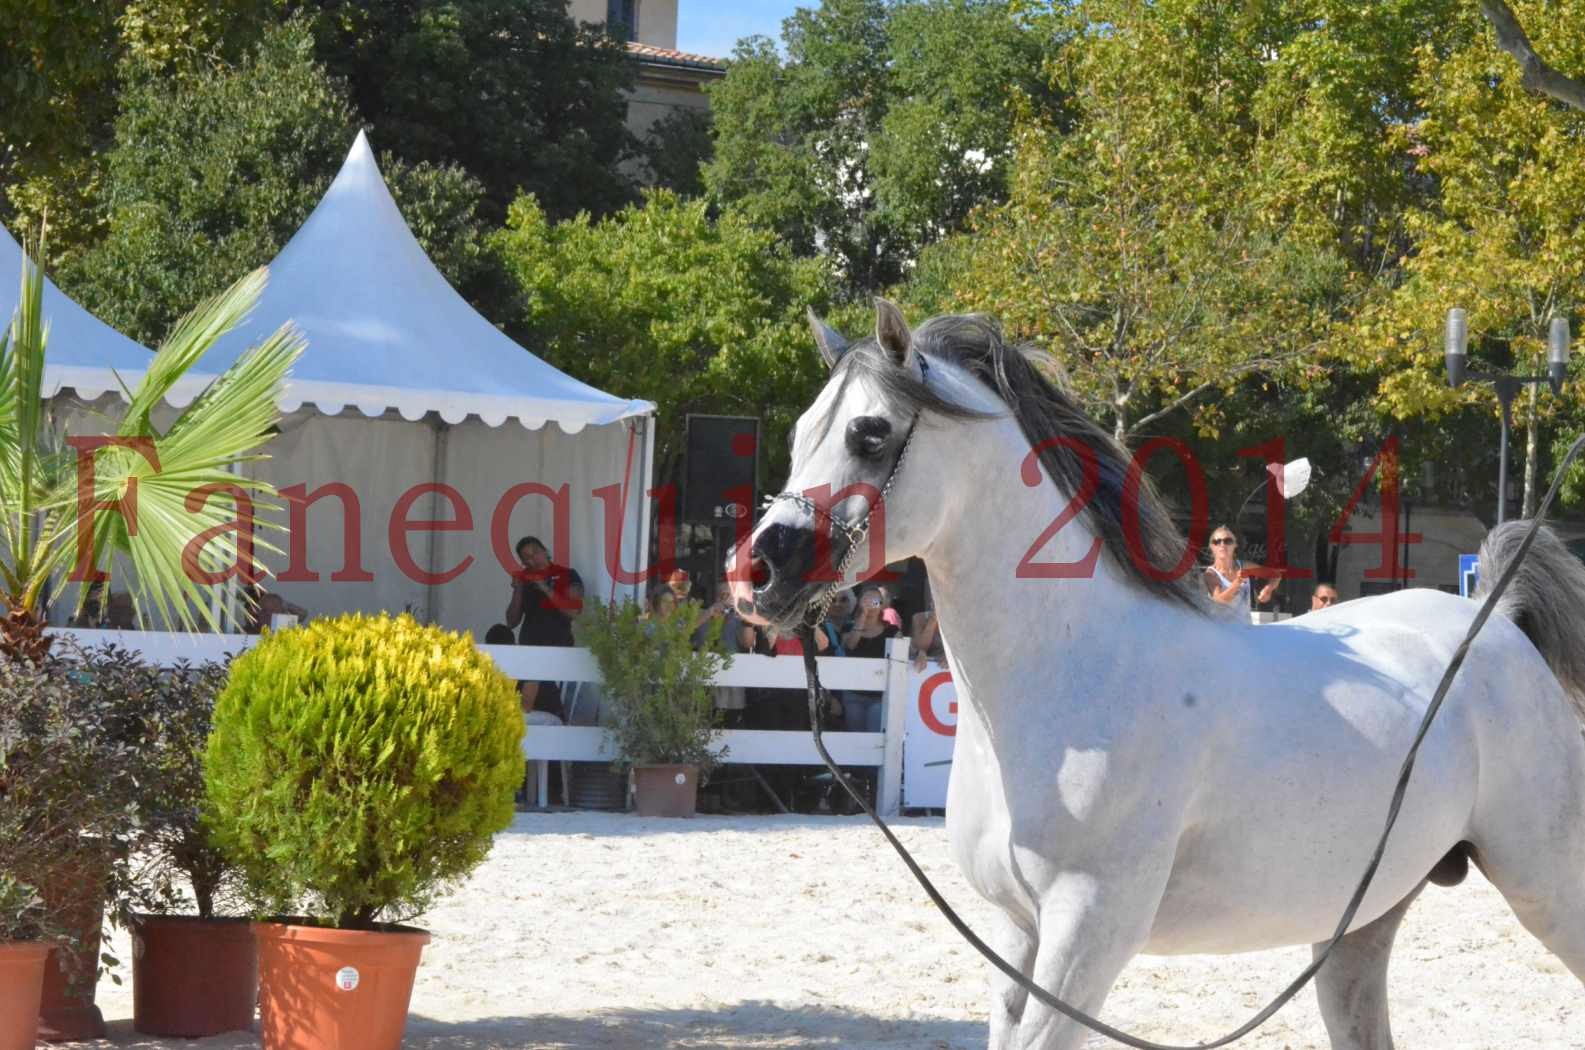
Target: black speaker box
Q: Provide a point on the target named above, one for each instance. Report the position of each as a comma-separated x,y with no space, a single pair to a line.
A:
721,478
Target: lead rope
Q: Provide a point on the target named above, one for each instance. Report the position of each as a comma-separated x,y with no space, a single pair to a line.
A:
817,697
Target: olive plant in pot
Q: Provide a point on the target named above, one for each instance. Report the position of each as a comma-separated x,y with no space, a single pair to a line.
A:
195,972
659,711
358,767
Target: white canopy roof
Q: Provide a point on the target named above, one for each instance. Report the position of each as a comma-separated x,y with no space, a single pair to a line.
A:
386,331
84,352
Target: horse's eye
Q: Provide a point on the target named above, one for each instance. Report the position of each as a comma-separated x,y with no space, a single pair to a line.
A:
866,436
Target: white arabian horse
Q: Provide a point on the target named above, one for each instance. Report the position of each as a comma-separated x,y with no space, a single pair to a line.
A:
1132,775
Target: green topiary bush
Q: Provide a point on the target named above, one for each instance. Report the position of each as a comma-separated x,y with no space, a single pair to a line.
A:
358,766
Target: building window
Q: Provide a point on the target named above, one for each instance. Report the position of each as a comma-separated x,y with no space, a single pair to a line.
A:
621,19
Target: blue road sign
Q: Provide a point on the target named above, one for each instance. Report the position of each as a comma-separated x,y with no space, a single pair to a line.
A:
1468,574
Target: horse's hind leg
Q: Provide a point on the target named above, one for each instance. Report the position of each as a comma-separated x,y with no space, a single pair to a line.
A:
1529,840
1352,985
1546,890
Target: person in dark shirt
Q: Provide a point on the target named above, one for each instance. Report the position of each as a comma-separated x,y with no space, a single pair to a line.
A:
867,636
545,599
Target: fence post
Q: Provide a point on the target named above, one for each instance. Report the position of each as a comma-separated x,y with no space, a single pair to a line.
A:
894,722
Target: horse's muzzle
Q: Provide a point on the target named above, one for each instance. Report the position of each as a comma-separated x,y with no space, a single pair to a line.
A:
779,582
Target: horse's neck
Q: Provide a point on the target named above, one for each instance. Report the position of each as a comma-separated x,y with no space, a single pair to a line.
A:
1015,635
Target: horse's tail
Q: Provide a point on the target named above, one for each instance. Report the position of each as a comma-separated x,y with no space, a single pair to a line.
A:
1546,599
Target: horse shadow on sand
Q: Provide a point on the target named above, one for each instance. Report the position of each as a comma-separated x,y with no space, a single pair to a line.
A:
735,1026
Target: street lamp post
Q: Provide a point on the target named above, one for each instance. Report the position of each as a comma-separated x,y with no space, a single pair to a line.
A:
1557,349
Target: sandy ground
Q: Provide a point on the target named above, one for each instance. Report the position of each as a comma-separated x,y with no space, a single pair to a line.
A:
599,930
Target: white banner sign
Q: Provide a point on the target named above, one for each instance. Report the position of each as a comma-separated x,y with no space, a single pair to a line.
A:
931,727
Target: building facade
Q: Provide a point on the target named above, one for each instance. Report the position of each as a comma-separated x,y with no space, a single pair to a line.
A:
667,80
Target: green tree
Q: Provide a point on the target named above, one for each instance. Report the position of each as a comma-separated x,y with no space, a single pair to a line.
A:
1328,82
883,127
211,178
513,91
676,149
663,302
1504,236
62,66
1131,247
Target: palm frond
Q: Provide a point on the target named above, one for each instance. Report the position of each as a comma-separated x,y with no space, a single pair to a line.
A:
22,380
180,486
192,337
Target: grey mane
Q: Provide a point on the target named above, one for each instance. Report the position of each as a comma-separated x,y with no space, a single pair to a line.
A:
1028,381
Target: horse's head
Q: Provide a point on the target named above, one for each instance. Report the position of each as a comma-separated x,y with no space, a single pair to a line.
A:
856,498
876,478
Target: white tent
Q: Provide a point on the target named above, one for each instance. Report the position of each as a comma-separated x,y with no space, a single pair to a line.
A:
409,408
85,354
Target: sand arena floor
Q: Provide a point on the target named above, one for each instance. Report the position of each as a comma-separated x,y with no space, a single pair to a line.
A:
587,930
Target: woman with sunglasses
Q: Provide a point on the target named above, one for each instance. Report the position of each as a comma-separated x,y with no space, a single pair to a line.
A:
1225,581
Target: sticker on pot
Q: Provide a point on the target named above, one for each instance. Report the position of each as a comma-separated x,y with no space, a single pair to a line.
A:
682,778
347,978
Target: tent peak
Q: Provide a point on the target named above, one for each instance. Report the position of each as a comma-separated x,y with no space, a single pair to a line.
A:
386,330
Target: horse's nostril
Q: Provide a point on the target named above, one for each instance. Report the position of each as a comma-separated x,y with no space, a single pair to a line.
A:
759,572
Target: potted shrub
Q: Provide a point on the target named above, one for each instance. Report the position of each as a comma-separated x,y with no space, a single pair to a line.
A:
69,768
659,712
26,933
194,973
358,766
23,951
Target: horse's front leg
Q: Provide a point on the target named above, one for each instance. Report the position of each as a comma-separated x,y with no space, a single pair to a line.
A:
1091,924
1017,945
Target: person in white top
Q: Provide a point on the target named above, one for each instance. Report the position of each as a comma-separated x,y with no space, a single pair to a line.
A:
1225,581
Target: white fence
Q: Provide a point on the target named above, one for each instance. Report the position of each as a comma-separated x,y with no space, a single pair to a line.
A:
576,743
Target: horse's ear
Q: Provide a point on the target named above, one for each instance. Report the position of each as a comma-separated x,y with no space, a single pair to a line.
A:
829,340
891,331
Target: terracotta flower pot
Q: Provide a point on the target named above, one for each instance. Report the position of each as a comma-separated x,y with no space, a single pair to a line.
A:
75,893
193,977
21,988
666,791
325,989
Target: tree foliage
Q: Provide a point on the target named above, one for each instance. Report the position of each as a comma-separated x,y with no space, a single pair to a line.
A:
676,148
664,302
881,129
62,68
210,178
1503,236
512,91
1138,246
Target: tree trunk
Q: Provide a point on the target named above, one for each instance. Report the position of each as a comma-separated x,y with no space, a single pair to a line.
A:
22,636
1535,74
1532,441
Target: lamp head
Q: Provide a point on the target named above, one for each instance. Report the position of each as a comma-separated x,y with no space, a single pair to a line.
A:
1457,345
1557,341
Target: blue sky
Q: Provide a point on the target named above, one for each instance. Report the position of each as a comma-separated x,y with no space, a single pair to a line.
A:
712,27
